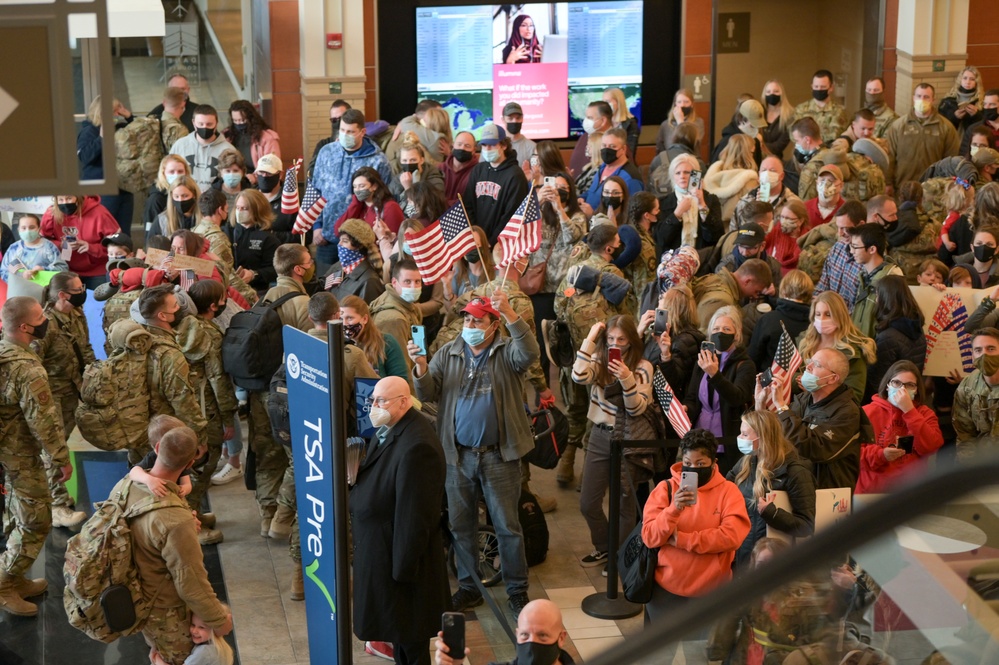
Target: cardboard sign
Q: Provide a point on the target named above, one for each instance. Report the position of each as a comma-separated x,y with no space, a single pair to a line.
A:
948,347
201,267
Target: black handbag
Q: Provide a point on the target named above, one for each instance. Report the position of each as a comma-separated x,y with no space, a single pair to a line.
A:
636,563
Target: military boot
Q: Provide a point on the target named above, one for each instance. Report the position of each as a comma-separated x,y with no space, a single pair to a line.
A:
11,601
280,526
27,588
565,471
298,583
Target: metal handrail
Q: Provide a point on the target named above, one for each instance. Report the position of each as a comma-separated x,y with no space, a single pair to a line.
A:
906,502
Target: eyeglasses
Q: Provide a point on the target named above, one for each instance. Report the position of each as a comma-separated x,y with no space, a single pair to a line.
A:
381,402
852,246
895,383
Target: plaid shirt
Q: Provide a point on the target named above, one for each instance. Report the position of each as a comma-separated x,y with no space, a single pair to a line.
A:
840,274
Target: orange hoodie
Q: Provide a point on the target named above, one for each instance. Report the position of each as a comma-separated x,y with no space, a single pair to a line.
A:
707,534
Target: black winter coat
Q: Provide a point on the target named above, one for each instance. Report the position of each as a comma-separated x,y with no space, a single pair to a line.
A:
903,339
733,385
254,249
683,359
766,334
492,195
795,478
400,582
363,282
668,230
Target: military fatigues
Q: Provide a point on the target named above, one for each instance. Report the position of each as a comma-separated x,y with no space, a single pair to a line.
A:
220,245
168,376
201,343
116,308
30,423
642,270
883,117
832,118
975,406
65,352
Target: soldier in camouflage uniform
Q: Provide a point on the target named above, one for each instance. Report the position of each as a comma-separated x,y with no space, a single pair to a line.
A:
201,342
602,244
214,209
65,352
168,373
874,101
643,211
29,424
831,116
976,401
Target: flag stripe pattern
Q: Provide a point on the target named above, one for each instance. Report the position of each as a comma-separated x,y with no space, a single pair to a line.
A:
787,360
674,411
187,279
312,206
522,234
437,247
289,193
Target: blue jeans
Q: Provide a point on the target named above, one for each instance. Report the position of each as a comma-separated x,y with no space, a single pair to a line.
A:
498,483
94,281
234,446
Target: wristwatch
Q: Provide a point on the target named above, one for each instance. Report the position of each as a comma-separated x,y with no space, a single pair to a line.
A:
782,409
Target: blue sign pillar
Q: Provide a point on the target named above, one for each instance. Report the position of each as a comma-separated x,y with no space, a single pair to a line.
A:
315,402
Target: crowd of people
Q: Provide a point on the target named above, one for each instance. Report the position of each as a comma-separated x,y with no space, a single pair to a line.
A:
807,225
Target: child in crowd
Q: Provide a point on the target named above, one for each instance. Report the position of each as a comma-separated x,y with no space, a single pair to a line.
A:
32,253
959,198
933,272
159,427
209,649
960,278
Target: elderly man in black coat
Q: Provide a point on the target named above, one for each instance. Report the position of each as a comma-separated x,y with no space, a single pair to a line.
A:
400,582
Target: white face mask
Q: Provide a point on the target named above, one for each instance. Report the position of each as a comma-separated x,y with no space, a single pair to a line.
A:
379,417
769,176
974,150
243,217
588,126
749,129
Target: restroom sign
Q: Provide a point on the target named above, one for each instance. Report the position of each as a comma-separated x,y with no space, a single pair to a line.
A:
733,33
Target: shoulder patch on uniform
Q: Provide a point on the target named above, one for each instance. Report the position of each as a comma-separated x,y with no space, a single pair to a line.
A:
40,388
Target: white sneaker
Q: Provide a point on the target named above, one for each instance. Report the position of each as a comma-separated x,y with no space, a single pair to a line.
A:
67,517
228,474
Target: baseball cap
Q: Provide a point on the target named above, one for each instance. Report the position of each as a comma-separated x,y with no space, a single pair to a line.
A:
752,111
270,163
832,170
479,307
119,239
492,134
750,235
512,108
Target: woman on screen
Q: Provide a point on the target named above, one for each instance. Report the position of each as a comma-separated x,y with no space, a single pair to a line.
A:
523,45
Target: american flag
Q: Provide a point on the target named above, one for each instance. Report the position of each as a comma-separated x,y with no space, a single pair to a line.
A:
312,206
289,194
674,411
522,234
787,360
187,278
437,247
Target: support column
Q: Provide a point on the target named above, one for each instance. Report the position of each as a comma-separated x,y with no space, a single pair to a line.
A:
932,46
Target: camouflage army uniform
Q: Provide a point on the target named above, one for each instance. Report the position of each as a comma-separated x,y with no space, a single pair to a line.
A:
220,245
65,352
976,404
116,308
883,117
642,270
168,376
201,343
832,118
862,179
31,424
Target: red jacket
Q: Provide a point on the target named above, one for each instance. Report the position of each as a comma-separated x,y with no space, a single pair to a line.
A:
92,222
707,534
815,218
455,181
391,214
888,421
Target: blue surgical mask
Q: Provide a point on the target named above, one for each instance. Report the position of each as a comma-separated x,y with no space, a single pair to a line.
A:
411,293
745,445
30,235
810,382
172,177
348,141
232,180
490,155
406,249
473,336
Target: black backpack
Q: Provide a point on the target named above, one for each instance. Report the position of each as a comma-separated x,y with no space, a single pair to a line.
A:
253,346
277,407
535,528
551,436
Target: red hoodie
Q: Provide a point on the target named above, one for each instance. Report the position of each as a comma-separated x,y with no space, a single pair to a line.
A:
93,223
888,421
707,534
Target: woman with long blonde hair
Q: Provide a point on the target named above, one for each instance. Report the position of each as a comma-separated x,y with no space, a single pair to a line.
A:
734,175
181,210
832,328
622,118
963,103
680,110
780,115
771,464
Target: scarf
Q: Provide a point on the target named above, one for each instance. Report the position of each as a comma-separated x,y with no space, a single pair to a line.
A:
690,219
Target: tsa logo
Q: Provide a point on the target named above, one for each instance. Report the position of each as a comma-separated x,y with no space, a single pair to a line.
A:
294,367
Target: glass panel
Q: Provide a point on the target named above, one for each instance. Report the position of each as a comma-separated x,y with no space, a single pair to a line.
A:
226,17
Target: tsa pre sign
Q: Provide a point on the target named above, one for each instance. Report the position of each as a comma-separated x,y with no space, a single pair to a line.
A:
307,365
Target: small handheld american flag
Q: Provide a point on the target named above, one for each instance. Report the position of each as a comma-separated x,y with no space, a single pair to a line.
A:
787,360
289,193
187,279
674,411
437,247
522,234
312,206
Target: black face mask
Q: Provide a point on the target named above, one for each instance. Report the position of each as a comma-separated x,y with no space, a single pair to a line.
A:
617,252
608,155
889,224
723,341
514,127
67,208
802,157
239,127
205,132
990,114
610,201
409,168
563,196
772,100
703,473
462,156
184,207
38,332
77,299
351,331
533,653
966,91
473,256
267,183
820,95
984,253
686,111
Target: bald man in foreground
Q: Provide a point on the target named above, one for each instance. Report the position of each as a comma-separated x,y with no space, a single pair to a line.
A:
400,583
540,638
